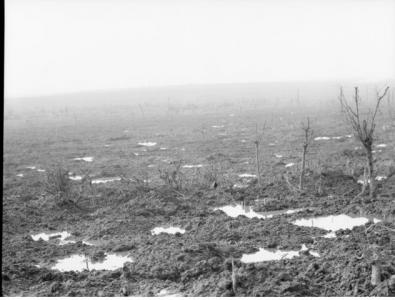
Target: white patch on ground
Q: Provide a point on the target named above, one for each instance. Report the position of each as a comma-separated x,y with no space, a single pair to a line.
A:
163,148
46,236
40,170
272,144
337,137
79,263
19,175
361,180
218,126
86,158
240,186
267,255
247,175
381,146
314,253
234,211
105,180
150,166
243,141
289,165
330,235
322,138
278,155
192,166
349,135
332,223
135,153
107,145
76,177
147,144
167,293
169,230
31,167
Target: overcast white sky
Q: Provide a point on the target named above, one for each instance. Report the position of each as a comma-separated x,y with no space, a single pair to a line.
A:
55,46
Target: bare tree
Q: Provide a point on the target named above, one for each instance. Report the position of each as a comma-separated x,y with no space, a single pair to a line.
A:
257,142
364,129
308,137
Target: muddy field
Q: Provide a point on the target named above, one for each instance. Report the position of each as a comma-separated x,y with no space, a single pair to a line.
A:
260,247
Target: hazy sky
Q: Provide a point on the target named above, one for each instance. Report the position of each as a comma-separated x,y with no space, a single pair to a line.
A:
55,46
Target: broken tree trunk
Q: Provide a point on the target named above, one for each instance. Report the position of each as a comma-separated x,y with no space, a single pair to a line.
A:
376,273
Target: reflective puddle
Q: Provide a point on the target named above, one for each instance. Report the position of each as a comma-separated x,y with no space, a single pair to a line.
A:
333,223
270,255
87,158
147,144
362,180
266,255
167,293
60,236
76,177
192,166
47,236
168,230
289,165
78,263
105,180
239,210
239,186
247,176
322,138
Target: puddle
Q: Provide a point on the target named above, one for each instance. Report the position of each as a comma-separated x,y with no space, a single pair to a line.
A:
147,144
167,293
266,255
322,138
76,177
87,158
192,166
362,181
31,167
270,255
381,146
238,210
240,186
19,175
169,230
278,155
105,180
47,236
78,263
289,165
61,236
247,176
333,223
